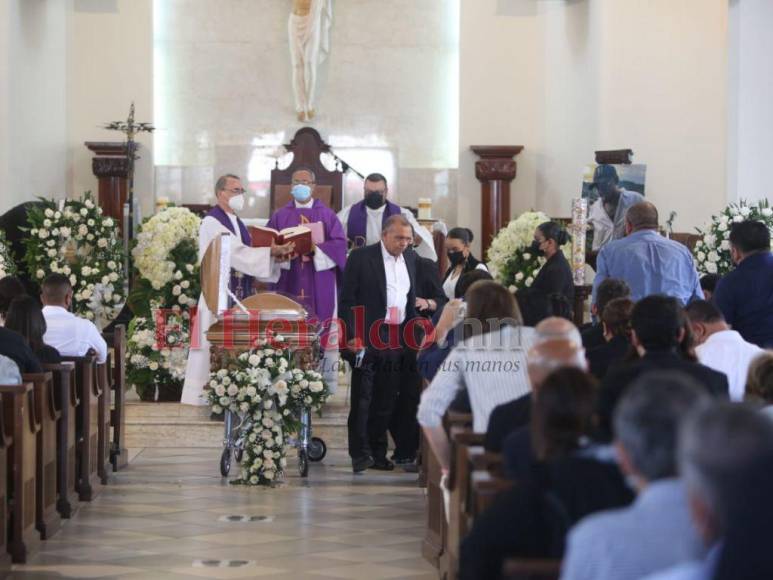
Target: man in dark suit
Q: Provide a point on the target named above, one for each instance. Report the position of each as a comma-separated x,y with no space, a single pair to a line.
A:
616,322
658,327
609,289
403,425
376,305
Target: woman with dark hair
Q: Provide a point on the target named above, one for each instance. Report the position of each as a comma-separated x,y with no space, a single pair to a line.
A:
26,317
490,364
552,292
460,259
563,478
10,288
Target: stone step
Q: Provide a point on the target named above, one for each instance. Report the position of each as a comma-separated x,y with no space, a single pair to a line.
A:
178,425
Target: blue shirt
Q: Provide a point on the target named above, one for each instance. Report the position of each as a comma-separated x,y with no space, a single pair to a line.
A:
650,264
745,297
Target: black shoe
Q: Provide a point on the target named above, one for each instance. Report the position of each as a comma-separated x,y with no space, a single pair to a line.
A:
411,467
383,465
361,464
401,461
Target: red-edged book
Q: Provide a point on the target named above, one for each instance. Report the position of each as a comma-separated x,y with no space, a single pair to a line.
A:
305,237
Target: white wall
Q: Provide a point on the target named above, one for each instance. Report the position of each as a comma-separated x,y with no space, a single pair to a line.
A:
750,113
567,78
110,64
33,103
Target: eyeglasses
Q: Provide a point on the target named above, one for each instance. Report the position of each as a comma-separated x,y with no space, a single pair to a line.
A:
237,191
302,182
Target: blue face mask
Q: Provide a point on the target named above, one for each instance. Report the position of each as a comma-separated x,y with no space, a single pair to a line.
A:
301,192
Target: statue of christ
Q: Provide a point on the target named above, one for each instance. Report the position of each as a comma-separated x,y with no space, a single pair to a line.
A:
309,30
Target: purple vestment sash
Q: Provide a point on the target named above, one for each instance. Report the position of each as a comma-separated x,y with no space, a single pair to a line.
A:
357,224
240,284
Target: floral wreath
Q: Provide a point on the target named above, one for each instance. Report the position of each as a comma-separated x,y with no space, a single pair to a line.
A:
7,264
167,278
73,238
509,256
712,251
262,387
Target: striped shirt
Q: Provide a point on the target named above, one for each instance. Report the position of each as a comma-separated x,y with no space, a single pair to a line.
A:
492,367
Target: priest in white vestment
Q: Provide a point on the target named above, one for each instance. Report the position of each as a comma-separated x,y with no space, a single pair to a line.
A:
363,221
247,264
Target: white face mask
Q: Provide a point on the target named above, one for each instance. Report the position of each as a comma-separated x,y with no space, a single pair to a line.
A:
236,203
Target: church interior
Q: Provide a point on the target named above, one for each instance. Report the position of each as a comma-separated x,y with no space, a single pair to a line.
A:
126,125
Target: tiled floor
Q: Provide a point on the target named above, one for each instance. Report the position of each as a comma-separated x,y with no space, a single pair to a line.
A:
166,517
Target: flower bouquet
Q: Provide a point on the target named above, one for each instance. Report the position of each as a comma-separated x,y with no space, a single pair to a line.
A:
7,265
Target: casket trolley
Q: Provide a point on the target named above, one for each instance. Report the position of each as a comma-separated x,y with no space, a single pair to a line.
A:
259,317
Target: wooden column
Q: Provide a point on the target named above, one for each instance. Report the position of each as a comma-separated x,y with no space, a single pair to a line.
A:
495,170
111,167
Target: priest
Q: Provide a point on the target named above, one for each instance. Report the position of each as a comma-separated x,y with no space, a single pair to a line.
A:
247,265
312,280
364,220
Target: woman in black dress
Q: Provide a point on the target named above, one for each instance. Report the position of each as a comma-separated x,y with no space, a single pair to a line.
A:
460,259
26,317
552,292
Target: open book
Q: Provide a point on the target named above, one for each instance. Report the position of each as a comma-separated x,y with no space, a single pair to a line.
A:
305,237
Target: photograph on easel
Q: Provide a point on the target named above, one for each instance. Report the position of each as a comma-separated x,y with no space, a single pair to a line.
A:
631,178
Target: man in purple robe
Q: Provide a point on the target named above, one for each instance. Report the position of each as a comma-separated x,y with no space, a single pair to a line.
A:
312,280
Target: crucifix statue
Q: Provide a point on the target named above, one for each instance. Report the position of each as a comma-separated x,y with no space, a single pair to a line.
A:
309,31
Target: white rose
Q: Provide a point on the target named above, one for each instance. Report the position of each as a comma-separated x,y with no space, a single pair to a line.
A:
519,276
43,234
254,360
526,256
713,256
47,223
217,409
189,267
738,219
711,268
73,280
113,277
701,256
84,212
529,281
90,237
268,475
225,401
51,253
102,242
90,222
107,222
268,403
244,407
745,211
176,290
185,284
725,245
220,390
40,274
49,212
178,275
767,212
83,230
722,227
232,390
251,391
254,479
153,366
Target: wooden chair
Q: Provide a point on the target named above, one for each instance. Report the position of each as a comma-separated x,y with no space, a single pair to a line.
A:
5,454
86,425
47,415
527,569
119,456
19,414
104,442
66,401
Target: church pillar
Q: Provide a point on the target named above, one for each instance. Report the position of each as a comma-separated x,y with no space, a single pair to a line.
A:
110,165
495,170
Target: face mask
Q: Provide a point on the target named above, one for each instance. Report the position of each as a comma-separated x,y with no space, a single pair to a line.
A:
236,203
535,248
455,258
374,199
301,192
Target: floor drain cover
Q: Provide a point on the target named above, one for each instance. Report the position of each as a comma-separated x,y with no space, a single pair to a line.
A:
222,563
242,518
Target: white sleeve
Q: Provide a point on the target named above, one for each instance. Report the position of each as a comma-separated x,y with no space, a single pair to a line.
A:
427,247
95,341
482,266
440,393
343,216
322,261
255,262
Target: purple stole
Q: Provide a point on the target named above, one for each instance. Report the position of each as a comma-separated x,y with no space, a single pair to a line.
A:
240,284
357,224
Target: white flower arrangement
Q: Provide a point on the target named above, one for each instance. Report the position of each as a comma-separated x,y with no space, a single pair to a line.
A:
7,265
509,258
712,251
73,238
264,388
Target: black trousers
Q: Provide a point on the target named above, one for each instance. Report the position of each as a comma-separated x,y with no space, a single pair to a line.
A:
403,425
373,392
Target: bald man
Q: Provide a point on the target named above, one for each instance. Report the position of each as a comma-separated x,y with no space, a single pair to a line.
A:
550,352
648,262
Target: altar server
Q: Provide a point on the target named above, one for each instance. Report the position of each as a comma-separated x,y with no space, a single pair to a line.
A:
247,264
364,220
312,280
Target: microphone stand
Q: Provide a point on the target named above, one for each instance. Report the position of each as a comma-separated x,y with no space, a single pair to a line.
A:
344,165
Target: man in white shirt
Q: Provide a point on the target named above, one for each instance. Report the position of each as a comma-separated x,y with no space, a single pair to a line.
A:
721,348
607,213
376,303
364,220
66,332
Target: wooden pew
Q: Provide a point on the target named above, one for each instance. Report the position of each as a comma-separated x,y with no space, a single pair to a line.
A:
46,414
86,425
119,456
434,545
531,569
104,442
19,413
6,438
66,401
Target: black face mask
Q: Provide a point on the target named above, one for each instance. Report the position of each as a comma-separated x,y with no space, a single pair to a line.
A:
455,258
534,248
374,199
